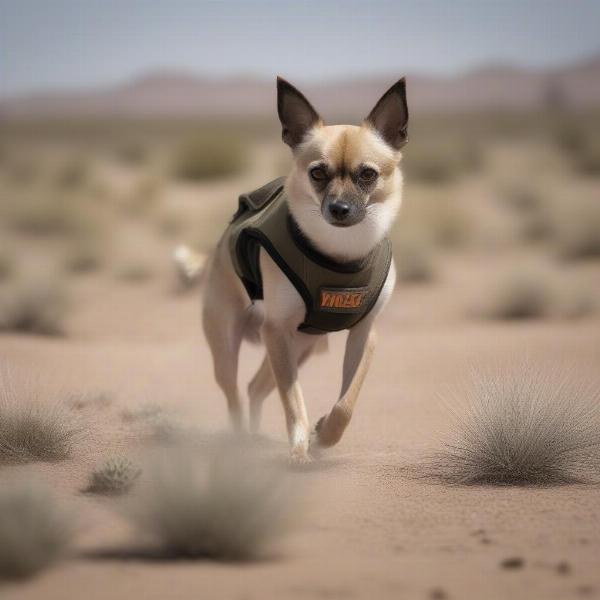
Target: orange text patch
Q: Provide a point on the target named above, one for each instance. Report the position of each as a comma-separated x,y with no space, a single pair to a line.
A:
343,300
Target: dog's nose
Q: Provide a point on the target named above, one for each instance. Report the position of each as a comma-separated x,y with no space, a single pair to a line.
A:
339,209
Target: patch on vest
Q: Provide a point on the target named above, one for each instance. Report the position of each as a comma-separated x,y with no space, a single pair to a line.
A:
342,299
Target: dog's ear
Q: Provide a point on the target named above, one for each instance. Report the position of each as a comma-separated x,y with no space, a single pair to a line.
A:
390,116
296,113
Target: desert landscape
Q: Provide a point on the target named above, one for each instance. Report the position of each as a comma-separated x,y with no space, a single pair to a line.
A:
118,475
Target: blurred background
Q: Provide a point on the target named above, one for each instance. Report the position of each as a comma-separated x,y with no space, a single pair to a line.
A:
127,128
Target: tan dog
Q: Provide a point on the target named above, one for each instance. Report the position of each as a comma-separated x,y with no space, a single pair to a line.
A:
344,192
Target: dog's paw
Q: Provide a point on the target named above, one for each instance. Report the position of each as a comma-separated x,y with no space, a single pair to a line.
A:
299,457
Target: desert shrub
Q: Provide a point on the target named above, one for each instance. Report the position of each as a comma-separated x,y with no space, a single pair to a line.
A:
524,426
34,531
577,229
34,429
49,215
135,271
37,307
534,211
534,292
72,174
132,153
115,476
83,256
440,161
520,294
413,256
7,264
209,157
225,507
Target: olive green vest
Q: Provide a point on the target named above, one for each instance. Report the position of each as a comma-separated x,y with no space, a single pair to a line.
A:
337,294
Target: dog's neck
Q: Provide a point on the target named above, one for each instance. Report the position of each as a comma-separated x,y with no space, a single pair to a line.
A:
343,244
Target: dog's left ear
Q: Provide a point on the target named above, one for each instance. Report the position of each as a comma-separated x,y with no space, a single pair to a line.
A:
296,113
390,116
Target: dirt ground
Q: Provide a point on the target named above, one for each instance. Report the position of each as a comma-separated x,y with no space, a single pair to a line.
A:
367,528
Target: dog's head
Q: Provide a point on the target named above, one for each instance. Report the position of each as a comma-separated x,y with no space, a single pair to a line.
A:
345,186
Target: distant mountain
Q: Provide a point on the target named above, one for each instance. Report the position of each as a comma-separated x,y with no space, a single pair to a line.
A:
175,94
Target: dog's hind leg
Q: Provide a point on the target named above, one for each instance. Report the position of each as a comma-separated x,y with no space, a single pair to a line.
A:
263,383
224,332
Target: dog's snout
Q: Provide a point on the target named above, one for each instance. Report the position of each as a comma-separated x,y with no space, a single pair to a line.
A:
339,209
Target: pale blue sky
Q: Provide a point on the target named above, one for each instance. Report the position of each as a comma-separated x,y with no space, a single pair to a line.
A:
80,43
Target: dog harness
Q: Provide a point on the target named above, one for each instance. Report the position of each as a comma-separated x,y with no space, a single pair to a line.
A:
337,295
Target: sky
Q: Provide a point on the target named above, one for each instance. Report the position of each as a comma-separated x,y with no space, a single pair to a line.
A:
47,44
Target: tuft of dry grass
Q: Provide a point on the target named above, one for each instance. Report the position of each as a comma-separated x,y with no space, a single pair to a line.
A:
83,255
37,307
34,531
414,259
208,157
7,264
115,476
534,292
524,426
72,174
32,429
578,230
224,507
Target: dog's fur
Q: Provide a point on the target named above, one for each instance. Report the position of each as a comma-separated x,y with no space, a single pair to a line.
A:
333,167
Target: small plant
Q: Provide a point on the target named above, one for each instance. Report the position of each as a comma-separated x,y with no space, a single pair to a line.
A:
33,307
72,174
7,264
520,294
116,476
135,272
34,532
83,256
32,429
229,508
578,230
413,258
210,157
524,427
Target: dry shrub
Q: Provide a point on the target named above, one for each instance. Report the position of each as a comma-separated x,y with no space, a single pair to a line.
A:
34,531
135,271
524,426
50,215
533,209
7,264
577,229
413,256
531,291
225,506
37,307
210,157
115,476
83,255
72,174
34,428
440,161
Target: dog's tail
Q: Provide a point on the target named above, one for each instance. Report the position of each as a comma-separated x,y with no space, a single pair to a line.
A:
190,266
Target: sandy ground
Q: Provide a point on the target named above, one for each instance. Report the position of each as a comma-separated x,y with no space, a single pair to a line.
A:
367,529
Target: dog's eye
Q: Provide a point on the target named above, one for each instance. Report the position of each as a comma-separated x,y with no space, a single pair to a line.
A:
318,174
367,175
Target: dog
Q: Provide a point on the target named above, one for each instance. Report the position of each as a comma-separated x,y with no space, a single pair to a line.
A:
342,196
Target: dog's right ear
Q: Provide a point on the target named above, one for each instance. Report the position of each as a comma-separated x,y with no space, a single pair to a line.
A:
296,113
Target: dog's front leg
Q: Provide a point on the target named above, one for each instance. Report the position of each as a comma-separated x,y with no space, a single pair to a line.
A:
357,359
283,356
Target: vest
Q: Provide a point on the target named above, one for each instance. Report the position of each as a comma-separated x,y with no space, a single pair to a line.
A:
337,295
